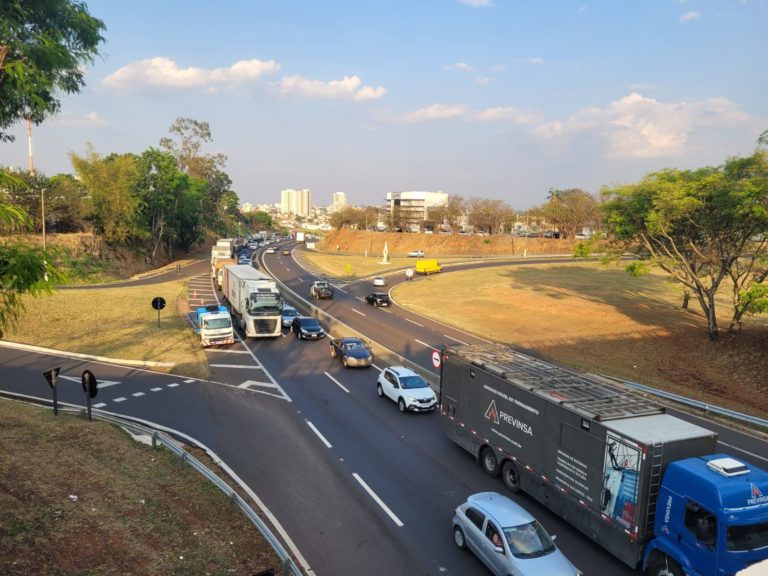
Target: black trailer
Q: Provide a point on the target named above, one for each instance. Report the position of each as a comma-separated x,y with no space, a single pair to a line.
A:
591,452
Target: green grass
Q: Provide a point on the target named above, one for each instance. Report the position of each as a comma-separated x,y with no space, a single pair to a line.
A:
355,266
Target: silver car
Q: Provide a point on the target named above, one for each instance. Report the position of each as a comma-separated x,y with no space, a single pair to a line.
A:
507,538
289,313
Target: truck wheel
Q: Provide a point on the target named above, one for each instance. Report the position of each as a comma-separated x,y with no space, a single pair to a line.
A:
489,462
379,391
663,565
401,405
458,538
510,476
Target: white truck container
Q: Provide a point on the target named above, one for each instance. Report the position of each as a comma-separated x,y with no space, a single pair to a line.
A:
254,301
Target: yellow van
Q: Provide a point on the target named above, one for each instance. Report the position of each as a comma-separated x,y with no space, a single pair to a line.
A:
428,267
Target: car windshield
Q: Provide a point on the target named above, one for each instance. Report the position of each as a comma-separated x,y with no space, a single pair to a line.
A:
748,537
354,346
412,382
216,323
309,323
529,540
290,313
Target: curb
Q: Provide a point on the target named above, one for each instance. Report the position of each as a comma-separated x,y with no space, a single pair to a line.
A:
30,348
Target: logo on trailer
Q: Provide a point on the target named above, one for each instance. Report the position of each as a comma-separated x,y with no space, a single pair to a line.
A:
492,414
757,496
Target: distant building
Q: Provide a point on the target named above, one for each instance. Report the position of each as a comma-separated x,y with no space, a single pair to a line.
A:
409,209
246,207
339,201
296,202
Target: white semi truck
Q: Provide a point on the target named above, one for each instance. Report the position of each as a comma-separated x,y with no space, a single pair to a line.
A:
253,300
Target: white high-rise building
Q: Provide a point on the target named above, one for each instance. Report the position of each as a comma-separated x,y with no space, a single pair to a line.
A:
339,201
410,209
296,202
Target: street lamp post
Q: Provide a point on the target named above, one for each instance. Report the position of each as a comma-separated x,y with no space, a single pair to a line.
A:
42,210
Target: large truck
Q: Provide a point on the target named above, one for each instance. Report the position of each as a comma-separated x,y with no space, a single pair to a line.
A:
254,301
213,324
220,252
647,486
217,267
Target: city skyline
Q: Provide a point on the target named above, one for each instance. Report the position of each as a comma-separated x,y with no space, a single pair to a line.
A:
476,98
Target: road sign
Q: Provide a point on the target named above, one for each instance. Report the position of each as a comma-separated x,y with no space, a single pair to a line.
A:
51,376
158,303
436,359
90,384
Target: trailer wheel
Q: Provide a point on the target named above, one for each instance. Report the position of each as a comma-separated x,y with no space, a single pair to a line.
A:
458,538
663,565
510,476
489,462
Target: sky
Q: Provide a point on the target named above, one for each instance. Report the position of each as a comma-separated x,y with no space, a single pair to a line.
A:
500,99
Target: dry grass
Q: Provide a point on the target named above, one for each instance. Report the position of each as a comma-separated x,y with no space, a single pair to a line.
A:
80,497
600,319
116,323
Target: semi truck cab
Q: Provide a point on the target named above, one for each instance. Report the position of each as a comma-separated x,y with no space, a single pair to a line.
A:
711,517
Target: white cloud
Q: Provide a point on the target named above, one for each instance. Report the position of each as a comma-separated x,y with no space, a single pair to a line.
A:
636,126
348,88
689,16
582,9
535,61
476,3
91,119
162,72
463,66
482,80
427,114
505,114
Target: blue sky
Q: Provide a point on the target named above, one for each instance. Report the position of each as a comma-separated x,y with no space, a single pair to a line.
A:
481,98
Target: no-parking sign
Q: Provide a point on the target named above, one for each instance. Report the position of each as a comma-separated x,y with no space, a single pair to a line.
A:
436,359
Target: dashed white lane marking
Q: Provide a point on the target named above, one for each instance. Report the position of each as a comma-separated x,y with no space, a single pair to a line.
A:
137,394
121,399
339,384
361,314
188,381
99,405
155,389
425,344
173,385
319,435
378,500
414,322
456,339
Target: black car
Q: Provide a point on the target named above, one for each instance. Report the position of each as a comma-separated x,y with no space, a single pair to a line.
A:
307,328
378,299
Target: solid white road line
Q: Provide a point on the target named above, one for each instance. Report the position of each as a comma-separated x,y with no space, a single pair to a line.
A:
413,322
425,344
744,451
358,312
234,366
319,435
378,500
339,384
456,340
227,351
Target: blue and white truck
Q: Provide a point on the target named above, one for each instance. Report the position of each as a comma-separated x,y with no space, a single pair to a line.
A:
649,487
213,324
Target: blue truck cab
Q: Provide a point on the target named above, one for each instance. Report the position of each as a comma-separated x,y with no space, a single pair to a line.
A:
711,518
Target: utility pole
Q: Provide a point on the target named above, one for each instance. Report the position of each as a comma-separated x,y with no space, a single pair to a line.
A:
32,172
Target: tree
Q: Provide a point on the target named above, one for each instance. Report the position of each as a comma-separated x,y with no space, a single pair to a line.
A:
44,45
24,269
454,212
113,206
570,210
699,226
192,134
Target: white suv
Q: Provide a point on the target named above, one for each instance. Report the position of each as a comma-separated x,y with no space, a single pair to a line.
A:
407,388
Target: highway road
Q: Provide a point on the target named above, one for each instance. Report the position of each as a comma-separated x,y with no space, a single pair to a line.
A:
358,486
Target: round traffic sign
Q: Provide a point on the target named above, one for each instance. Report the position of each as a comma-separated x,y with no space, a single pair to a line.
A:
158,303
436,359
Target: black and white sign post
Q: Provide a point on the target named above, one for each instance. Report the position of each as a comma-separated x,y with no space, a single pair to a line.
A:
158,303
50,376
90,387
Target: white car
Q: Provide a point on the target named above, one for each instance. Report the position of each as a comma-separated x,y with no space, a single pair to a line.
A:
379,281
289,313
271,250
407,389
416,254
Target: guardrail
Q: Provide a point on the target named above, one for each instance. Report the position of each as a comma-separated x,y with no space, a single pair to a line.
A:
287,565
705,406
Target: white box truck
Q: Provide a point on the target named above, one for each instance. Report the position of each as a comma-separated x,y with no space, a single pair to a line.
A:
254,301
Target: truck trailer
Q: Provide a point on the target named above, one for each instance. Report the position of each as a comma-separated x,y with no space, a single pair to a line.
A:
254,301
213,324
647,486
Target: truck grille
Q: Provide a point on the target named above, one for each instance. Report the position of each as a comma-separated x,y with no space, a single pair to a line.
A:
266,326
